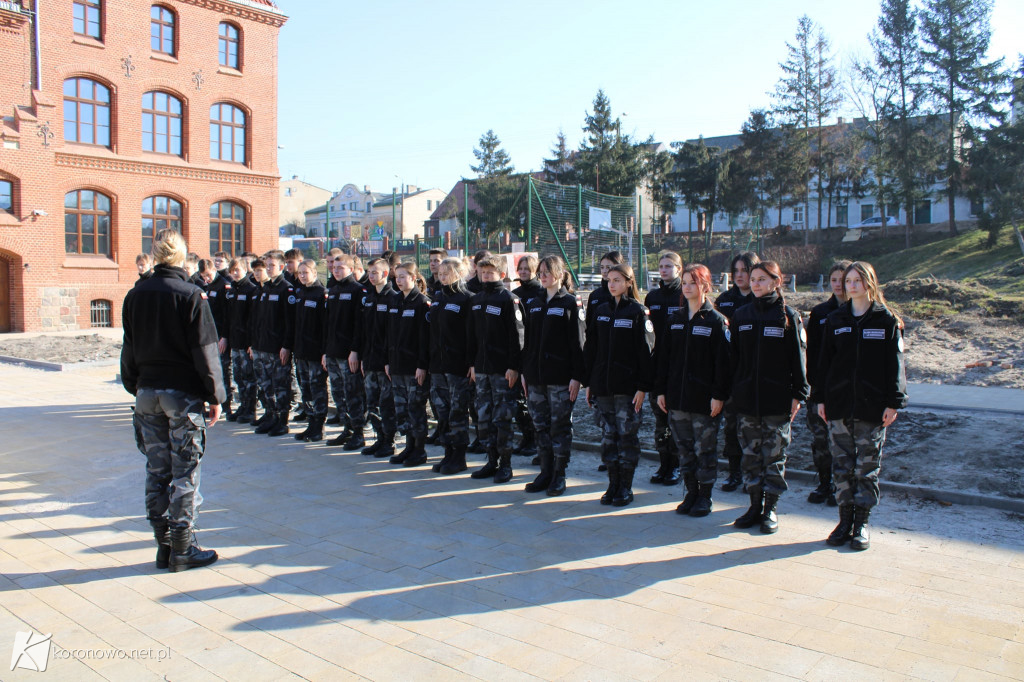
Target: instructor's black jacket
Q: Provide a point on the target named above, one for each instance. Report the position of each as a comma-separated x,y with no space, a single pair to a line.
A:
861,369
767,344
620,339
693,360
170,339
555,336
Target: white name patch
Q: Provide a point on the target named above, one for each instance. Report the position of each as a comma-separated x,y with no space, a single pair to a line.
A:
702,331
477,307
310,304
672,310
725,304
556,311
603,318
344,297
678,326
843,330
382,307
627,324
776,332
409,313
493,310
823,320
241,297
874,334
535,310
655,307
454,307
745,327
273,297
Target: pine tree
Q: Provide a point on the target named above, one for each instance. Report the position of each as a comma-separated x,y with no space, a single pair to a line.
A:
962,85
493,160
497,190
609,161
560,168
701,173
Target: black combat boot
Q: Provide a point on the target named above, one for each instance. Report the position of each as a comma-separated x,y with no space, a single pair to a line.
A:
675,474
267,422
163,542
355,441
268,414
387,446
301,435
557,485
457,463
861,537
663,468
543,479
735,479
476,447
246,411
280,424
752,515
301,416
340,439
528,445
690,499
504,472
315,432
842,533
435,437
769,519
436,468
488,469
825,488
378,442
185,553
225,409
702,507
625,494
613,483
335,419
405,452
418,455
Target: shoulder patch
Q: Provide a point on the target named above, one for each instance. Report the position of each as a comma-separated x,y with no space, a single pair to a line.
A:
899,343
519,315
649,327
291,299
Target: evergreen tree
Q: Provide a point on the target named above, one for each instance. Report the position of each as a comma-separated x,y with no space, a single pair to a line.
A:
608,161
700,175
497,191
560,168
962,85
492,159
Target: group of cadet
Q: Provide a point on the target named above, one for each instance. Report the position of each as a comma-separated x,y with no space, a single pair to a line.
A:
388,341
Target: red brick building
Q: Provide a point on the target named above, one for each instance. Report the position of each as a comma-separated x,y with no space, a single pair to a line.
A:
119,118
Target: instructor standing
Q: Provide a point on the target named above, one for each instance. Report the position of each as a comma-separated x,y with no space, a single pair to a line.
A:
170,363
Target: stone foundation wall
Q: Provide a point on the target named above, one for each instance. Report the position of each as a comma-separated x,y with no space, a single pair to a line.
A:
58,308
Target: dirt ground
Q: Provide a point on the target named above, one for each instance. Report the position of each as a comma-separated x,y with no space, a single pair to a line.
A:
953,326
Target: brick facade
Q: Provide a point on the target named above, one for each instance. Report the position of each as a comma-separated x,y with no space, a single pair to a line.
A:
50,289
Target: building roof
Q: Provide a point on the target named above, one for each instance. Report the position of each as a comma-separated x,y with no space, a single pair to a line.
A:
266,5
386,199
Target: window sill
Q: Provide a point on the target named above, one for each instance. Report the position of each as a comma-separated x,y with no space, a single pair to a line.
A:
87,41
228,71
88,262
161,57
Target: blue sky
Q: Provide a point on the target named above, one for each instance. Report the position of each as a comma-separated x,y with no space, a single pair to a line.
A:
406,89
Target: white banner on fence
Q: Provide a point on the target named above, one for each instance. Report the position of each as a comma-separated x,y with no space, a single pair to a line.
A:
600,218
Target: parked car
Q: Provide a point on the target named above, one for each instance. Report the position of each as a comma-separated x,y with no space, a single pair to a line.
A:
876,221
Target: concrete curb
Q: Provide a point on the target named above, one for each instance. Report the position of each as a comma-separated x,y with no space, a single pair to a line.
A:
909,489
57,366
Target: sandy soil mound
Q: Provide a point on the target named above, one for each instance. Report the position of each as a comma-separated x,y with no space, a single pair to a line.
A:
64,349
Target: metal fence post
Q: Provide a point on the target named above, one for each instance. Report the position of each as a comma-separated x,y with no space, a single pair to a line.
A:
465,208
579,228
529,214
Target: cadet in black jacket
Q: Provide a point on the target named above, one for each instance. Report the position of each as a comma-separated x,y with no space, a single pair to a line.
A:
169,363
373,358
554,368
240,300
217,291
820,453
308,348
620,372
434,258
474,283
861,383
528,289
727,303
769,383
451,394
662,302
341,352
694,373
408,360
496,347
595,299
273,329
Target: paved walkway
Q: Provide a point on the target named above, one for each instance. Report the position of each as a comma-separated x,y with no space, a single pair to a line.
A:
338,567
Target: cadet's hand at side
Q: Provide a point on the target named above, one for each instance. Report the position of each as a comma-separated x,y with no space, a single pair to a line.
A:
213,415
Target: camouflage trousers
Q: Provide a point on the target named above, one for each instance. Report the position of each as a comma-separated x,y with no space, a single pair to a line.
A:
732,449
663,441
450,398
274,378
523,414
170,430
225,370
411,404
313,385
620,424
821,451
696,436
495,405
348,392
551,410
856,460
245,375
380,403
764,441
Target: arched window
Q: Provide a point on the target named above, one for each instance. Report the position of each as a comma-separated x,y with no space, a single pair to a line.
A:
87,222
6,195
158,213
227,133
101,313
161,30
229,44
161,123
86,112
86,17
227,228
